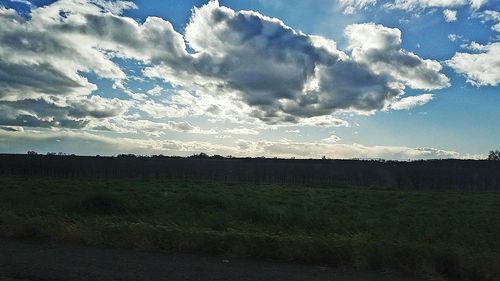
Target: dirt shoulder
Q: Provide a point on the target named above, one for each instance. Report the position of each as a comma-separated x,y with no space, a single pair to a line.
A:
40,261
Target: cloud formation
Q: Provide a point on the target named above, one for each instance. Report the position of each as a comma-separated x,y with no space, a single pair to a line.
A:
411,102
453,37
105,145
481,68
250,70
411,5
450,15
350,6
43,61
379,49
242,61
286,76
490,16
74,114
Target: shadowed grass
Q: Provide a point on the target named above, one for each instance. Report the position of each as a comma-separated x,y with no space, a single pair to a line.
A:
453,234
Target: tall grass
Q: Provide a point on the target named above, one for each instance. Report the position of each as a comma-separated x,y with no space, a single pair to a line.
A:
447,233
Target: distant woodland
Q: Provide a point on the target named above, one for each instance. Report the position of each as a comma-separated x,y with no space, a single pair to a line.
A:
429,174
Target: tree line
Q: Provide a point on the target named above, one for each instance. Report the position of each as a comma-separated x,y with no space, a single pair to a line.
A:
429,174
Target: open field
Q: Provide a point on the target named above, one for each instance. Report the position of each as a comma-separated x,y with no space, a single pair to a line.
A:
451,234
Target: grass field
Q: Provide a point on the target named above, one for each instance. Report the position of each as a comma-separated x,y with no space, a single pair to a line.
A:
450,234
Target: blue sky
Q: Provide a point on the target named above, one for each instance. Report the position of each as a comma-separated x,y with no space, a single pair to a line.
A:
398,79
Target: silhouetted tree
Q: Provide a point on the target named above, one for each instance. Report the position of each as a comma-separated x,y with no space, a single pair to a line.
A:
129,155
31,152
494,155
201,155
429,174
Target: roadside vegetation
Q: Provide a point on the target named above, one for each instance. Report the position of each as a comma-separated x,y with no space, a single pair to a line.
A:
449,234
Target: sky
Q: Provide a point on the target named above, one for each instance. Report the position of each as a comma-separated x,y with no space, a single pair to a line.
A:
369,79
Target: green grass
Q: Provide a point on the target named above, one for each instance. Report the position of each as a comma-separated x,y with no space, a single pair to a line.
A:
454,234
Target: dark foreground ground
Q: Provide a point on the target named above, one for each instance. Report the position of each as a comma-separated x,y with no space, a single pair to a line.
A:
40,261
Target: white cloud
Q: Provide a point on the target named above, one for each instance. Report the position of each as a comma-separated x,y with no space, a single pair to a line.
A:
115,7
411,5
332,139
152,128
349,10
379,48
155,91
285,76
43,64
476,4
243,66
241,131
454,37
109,144
496,27
350,6
474,46
324,121
106,144
344,151
450,15
490,16
159,110
411,102
209,103
480,69
43,60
